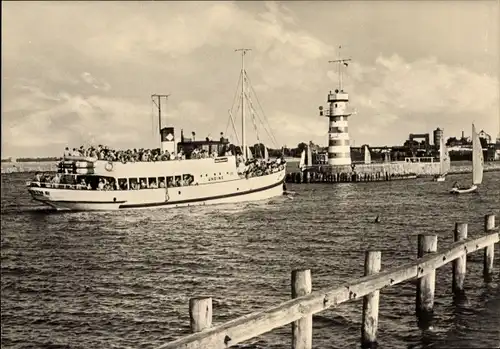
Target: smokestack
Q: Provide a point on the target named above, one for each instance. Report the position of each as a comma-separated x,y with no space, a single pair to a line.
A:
463,135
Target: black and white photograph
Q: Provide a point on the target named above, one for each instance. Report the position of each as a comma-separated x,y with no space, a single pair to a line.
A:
250,174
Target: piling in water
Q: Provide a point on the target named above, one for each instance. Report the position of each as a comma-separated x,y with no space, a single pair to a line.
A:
370,303
427,282
460,264
302,329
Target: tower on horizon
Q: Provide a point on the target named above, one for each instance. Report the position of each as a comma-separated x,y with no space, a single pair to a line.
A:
339,149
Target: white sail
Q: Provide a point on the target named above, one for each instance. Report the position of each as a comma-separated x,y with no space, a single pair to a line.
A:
442,156
266,154
477,158
368,156
302,162
309,156
446,158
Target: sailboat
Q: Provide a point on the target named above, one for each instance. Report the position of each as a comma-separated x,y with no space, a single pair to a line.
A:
182,172
302,162
368,157
477,166
443,158
309,156
306,160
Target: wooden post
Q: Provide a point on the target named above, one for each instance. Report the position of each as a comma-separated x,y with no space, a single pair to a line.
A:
301,329
426,284
200,313
459,264
489,251
370,302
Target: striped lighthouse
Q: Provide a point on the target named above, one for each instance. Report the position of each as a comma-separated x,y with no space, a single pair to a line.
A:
339,149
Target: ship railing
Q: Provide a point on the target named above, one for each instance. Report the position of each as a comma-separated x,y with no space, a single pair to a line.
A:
55,185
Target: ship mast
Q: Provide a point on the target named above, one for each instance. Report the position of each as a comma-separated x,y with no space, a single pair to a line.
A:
243,138
340,62
158,105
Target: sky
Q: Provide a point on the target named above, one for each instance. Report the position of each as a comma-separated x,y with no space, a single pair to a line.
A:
80,73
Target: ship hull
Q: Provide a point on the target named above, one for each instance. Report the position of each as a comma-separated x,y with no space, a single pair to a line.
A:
233,191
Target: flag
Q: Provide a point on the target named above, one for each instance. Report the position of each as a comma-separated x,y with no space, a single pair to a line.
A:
167,134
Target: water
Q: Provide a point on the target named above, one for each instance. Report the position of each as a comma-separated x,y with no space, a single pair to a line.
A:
123,279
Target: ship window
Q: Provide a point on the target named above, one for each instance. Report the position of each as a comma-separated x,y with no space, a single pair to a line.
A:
170,181
152,182
92,180
143,184
188,179
134,184
335,105
161,182
123,183
177,181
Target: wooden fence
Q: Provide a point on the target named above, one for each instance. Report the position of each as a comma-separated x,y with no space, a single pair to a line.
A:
300,309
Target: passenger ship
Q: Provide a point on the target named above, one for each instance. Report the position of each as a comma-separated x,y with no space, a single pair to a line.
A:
222,178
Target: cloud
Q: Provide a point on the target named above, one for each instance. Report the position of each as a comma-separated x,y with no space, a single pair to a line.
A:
178,43
72,119
67,79
95,83
418,95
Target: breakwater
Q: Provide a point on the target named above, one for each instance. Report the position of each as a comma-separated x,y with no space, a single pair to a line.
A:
344,177
377,171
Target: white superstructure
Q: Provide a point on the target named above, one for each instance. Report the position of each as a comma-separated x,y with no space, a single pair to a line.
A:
185,183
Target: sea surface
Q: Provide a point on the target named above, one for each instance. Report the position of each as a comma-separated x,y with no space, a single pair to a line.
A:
123,279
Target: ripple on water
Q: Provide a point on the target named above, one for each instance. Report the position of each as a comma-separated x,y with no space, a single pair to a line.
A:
123,279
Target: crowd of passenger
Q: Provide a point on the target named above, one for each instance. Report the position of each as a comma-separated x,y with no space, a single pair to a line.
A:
246,168
141,155
58,180
258,167
48,180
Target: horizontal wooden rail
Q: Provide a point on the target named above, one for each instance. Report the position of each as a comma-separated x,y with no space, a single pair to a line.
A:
255,324
299,311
